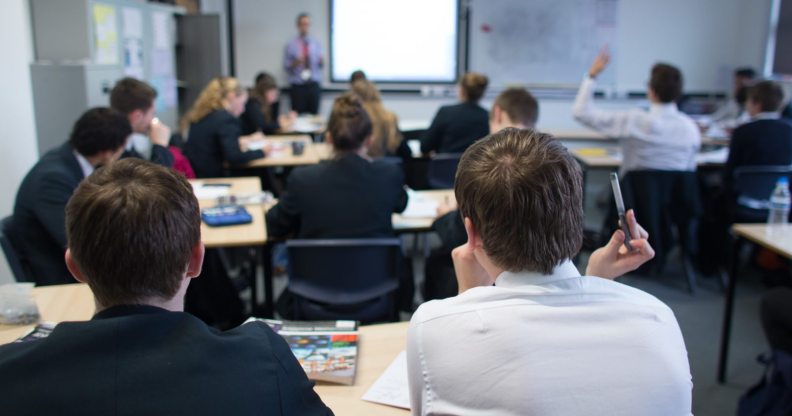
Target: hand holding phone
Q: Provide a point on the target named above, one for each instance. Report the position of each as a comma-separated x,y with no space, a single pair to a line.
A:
617,196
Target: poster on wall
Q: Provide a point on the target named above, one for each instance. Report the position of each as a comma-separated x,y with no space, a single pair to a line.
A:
105,34
133,42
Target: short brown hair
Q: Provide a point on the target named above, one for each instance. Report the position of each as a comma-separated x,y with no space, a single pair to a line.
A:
474,85
130,94
522,191
519,105
131,227
666,82
767,94
349,123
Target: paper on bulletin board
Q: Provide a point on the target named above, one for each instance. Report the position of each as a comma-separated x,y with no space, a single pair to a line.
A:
105,34
133,23
160,32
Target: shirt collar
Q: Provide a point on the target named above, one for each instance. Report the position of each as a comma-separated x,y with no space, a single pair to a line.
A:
87,167
768,115
565,270
663,108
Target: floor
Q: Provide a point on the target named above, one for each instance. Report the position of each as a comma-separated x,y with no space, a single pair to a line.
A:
699,316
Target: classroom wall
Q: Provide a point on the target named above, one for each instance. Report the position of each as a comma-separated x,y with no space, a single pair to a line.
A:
706,38
18,149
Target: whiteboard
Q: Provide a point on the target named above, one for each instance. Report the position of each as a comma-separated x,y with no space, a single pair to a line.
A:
541,42
371,36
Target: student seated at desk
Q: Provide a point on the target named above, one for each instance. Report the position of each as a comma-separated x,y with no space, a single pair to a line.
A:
134,233
151,137
214,136
733,112
662,138
766,139
514,107
262,108
349,196
386,139
527,334
37,229
455,127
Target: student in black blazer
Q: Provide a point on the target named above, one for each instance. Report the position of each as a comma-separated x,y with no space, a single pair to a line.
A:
350,196
214,136
135,99
134,238
37,228
455,127
766,139
261,109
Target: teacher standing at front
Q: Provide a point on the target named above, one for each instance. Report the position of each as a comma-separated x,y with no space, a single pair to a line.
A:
303,62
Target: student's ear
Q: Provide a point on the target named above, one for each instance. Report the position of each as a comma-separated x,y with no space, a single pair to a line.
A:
474,239
367,142
328,138
196,260
73,269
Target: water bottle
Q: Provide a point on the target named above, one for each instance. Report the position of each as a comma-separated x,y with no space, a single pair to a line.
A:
780,203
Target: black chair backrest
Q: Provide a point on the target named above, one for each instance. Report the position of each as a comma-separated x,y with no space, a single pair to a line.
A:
14,263
668,205
344,271
442,170
753,185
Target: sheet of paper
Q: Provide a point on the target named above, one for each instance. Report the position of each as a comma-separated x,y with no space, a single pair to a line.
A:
415,147
105,34
715,156
203,192
418,207
391,387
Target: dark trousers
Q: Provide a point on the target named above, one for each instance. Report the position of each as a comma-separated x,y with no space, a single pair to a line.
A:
305,98
776,313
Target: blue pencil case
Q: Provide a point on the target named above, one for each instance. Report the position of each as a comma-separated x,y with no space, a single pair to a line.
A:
220,216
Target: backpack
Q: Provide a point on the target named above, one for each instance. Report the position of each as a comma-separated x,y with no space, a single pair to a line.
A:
772,395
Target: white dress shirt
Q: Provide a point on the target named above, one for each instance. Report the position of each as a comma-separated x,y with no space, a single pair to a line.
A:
662,138
86,166
558,344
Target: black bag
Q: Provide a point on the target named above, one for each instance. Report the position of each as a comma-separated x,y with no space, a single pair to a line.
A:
772,395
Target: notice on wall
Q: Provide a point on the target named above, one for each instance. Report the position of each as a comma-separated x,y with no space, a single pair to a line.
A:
133,42
105,34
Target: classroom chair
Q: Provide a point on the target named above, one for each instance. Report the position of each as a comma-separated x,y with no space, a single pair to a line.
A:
352,279
442,170
667,204
753,186
14,263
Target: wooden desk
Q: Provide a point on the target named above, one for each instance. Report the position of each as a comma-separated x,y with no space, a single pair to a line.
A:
609,156
379,346
577,134
402,224
253,234
777,238
72,302
281,152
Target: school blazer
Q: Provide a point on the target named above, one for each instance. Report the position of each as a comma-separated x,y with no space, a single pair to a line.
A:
38,228
143,360
455,128
213,141
347,197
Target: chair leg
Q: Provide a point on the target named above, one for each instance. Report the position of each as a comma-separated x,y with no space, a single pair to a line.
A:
690,274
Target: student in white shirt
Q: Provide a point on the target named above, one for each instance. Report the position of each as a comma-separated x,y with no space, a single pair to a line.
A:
527,334
662,138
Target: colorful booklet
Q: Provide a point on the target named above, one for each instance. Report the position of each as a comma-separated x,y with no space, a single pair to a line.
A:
40,331
326,350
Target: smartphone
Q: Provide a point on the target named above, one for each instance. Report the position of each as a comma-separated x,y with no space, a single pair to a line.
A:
617,196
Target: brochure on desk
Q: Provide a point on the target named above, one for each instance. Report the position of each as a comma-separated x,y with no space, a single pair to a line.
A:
326,350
